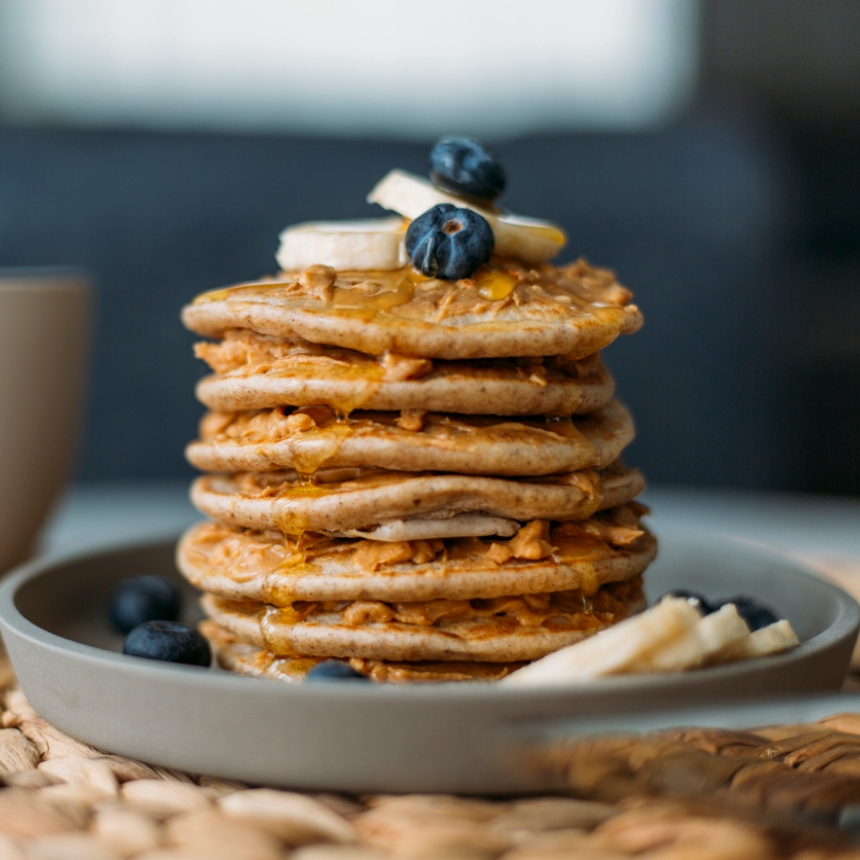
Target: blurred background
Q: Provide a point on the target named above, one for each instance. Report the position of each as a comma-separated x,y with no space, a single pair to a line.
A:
708,151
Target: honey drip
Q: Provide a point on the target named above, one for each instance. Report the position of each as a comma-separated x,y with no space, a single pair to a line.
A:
364,377
495,286
280,586
386,297
321,446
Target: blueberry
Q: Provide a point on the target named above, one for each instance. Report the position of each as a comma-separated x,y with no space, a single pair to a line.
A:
463,166
168,641
755,615
143,598
449,243
334,670
696,599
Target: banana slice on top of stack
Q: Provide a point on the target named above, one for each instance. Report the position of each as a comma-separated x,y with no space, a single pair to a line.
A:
379,244
362,244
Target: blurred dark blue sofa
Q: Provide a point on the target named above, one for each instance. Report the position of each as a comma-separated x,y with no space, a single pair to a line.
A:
693,219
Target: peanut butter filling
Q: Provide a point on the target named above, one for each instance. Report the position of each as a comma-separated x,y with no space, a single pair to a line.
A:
261,426
350,380
553,610
310,437
475,619
246,351
337,500
544,292
248,554
347,479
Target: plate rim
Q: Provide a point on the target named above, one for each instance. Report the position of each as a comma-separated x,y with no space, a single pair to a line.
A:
11,617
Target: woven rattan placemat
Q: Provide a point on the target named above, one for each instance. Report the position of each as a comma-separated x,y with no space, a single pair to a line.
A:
772,792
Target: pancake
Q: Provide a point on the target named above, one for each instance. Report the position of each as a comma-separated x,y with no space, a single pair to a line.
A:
259,372
503,629
305,439
576,310
246,659
270,568
337,500
415,476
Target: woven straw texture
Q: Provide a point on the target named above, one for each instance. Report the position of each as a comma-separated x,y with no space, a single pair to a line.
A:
774,792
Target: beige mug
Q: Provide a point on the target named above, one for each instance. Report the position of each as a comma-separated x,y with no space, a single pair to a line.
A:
44,346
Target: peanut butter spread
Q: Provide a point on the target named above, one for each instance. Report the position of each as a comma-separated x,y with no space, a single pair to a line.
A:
318,422
309,437
479,618
575,309
259,371
345,500
347,479
543,293
247,353
248,554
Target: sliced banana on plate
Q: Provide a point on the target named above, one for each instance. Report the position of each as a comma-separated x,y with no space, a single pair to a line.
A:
614,650
703,642
769,640
526,239
669,637
344,245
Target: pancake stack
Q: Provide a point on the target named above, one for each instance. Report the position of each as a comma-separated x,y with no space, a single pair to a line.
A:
416,476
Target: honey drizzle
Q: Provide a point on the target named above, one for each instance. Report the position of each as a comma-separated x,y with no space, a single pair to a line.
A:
371,294
494,286
323,445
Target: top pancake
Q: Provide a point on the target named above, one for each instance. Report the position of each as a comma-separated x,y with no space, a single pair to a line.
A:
574,310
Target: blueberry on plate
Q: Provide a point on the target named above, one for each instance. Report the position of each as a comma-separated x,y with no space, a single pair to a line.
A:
755,615
462,166
449,243
699,602
334,670
168,641
143,598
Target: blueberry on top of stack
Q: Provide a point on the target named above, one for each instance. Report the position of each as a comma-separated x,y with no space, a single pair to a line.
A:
412,450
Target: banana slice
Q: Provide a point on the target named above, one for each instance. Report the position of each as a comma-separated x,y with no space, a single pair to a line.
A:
616,649
525,239
669,637
769,640
705,641
344,245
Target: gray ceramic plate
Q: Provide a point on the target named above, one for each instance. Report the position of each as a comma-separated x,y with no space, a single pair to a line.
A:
362,737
